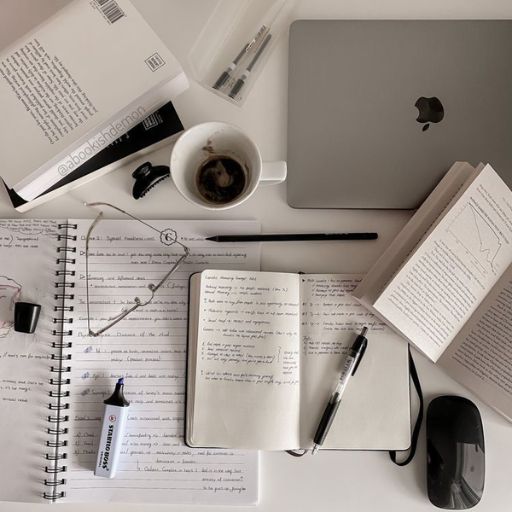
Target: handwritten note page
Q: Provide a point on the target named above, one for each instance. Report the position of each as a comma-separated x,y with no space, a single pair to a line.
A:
374,412
28,253
148,348
439,288
247,389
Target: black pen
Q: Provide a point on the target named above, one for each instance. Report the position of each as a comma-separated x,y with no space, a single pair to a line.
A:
349,368
290,237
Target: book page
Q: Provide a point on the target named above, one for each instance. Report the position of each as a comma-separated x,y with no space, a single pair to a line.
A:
148,349
246,388
374,411
428,215
28,251
442,284
480,357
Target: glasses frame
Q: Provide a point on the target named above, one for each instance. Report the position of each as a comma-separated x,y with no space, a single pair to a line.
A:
167,236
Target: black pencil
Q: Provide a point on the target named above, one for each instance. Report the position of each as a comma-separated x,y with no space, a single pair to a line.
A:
291,237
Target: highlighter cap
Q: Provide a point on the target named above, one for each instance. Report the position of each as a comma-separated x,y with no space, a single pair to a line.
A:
26,316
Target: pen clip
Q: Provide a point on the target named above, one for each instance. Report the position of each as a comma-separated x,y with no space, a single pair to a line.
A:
255,40
364,344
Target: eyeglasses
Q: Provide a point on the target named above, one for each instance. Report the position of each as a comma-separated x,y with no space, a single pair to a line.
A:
168,237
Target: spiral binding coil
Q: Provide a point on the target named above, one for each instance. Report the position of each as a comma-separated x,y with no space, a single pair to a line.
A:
58,394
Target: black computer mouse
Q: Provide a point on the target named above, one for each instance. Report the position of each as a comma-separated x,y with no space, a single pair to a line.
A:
455,453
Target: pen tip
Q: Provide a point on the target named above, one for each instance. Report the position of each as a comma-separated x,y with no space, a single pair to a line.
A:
364,331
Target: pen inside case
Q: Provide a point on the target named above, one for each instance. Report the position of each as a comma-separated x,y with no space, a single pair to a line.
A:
235,43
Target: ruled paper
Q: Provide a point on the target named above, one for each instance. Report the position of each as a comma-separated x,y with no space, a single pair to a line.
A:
28,254
148,349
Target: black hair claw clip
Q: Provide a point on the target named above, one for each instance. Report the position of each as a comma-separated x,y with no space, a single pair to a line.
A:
147,176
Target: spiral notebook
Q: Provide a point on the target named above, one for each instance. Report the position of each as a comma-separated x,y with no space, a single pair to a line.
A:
53,382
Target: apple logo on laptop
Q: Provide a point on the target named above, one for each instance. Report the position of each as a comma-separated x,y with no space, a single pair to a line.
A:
430,110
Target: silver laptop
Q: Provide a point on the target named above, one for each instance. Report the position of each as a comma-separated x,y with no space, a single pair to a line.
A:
379,110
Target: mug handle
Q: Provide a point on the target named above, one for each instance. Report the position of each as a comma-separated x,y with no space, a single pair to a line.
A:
273,172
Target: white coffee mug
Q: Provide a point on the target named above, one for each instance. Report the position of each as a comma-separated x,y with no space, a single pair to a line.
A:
202,142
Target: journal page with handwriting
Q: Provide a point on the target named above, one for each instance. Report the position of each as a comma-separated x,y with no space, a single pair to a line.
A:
266,350
374,412
148,349
245,365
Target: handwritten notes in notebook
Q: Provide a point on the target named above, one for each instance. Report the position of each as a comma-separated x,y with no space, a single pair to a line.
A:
376,403
148,348
239,313
266,349
249,351
27,272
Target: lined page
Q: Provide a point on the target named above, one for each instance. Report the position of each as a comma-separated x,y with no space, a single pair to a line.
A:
148,349
27,273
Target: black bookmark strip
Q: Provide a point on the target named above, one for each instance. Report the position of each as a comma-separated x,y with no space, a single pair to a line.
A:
296,453
417,426
419,418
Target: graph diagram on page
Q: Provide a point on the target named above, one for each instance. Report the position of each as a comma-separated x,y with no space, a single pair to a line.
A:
478,236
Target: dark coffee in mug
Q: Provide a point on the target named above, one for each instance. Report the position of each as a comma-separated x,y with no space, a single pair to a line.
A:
221,179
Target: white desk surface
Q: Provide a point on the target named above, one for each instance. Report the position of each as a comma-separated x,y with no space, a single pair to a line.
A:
352,481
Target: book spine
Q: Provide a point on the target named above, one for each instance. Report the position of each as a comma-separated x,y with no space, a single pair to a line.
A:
60,368
48,174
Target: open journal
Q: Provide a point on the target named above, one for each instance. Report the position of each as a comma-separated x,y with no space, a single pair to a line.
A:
53,382
445,283
265,352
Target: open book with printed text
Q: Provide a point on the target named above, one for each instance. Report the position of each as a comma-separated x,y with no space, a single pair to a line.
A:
445,283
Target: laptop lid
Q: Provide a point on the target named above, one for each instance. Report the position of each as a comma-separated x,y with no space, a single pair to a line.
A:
379,110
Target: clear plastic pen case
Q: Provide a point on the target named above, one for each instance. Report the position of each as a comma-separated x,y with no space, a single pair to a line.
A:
235,43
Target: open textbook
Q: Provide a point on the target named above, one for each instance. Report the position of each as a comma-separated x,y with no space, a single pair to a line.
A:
445,283
53,382
265,352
